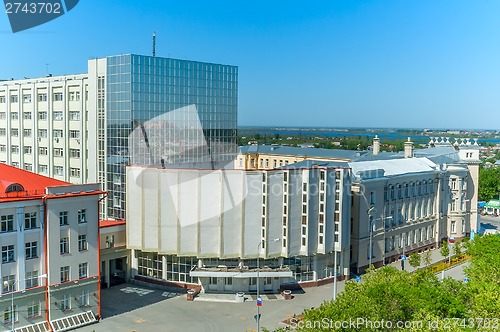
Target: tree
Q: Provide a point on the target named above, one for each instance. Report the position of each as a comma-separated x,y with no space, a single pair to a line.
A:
414,260
466,244
489,183
426,257
457,249
445,250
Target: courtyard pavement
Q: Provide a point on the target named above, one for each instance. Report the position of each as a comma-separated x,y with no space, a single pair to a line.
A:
136,308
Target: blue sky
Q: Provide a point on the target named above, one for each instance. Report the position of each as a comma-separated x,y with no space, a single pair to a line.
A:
387,63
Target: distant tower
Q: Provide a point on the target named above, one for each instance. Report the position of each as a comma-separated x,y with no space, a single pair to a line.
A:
408,149
376,145
154,43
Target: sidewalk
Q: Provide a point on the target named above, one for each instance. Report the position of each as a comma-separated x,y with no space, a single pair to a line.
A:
435,257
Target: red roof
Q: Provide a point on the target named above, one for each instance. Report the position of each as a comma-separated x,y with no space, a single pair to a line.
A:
111,223
31,185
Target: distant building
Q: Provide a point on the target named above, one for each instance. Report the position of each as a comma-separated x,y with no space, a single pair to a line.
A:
115,257
49,240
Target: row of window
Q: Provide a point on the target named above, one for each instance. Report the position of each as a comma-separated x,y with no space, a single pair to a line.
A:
30,220
33,311
42,115
42,150
42,97
42,133
406,190
8,252
44,169
31,248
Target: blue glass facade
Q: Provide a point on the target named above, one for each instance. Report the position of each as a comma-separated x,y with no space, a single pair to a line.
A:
172,106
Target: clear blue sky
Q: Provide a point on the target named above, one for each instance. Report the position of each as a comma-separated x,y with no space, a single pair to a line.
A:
387,63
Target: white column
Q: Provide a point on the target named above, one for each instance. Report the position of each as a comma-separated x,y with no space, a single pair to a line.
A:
20,252
41,246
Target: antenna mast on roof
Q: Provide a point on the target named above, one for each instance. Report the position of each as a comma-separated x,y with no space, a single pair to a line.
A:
154,43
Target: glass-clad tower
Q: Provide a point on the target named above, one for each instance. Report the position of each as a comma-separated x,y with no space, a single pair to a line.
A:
162,111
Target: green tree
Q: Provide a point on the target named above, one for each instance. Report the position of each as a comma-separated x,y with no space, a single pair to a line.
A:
444,250
484,276
466,244
426,258
414,260
457,248
489,183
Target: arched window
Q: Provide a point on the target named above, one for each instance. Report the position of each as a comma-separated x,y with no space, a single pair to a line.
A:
15,187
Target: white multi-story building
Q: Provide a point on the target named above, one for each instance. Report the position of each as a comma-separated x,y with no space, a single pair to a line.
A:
44,127
207,227
49,240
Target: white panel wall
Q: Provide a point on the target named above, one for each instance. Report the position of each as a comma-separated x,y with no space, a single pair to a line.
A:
233,195
150,211
210,209
134,209
253,214
168,212
188,212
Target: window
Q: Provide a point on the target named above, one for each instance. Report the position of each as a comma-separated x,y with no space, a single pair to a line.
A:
74,172
74,115
42,133
58,170
58,152
110,241
31,279
63,218
34,309
453,226
66,303
2,99
14,132
58,133
82,216
64,273
27,115
42,97
14,149
82,242
74,134
58,115
30,220
3,148
82,270
57,96
14,98
14,116
42,150
27,150
27,132
43,169
8,253
7,223
74,153
84,299
31,250
42,115
26,98
3,115
64,245
8,314
28,167
463,226
3,131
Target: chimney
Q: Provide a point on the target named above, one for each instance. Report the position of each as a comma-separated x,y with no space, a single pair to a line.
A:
408,149
376,145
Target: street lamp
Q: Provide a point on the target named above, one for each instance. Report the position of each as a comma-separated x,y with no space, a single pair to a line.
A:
12,311
371,237
259,301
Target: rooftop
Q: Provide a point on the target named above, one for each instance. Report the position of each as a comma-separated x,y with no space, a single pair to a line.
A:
302,152
17,184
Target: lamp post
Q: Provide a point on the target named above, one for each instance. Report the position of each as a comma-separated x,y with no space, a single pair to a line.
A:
259,301
371,237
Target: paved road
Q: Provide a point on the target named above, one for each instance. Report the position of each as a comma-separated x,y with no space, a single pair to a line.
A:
490,222
457,272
